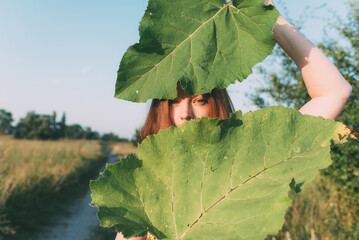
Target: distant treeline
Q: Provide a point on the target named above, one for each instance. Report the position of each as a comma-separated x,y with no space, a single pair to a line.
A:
46,127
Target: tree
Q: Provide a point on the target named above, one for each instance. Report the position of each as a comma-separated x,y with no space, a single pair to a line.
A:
110,137
91,135
35,126
5,122
62,126
287,87
136,139
45,127
74,131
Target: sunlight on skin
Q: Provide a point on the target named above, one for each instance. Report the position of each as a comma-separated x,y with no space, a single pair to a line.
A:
326,86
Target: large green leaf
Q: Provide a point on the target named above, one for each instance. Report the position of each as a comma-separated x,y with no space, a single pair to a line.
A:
216,179
203,44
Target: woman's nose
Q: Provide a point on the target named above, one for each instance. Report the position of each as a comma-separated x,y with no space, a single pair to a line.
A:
186,111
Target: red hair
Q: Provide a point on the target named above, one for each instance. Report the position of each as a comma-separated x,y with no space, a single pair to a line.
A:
159,114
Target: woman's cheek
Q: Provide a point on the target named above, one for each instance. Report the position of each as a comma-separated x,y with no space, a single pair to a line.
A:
202,111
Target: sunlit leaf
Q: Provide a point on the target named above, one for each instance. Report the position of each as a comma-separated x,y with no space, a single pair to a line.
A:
203,44
216,179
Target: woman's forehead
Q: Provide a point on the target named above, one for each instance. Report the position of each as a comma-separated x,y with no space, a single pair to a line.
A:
183,95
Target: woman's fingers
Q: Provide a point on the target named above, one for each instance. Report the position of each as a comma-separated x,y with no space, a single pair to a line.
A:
119,236
268,2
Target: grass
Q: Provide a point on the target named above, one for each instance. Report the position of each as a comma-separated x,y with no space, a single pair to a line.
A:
321,211
123,149
34,175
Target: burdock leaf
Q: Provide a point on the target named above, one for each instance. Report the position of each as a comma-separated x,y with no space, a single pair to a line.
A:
203,44
216,179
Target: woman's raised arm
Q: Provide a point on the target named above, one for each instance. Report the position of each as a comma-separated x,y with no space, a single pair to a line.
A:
326,86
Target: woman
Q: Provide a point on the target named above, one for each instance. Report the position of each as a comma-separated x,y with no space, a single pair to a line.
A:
164,113
326,86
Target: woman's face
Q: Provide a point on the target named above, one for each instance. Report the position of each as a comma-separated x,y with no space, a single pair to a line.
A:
185,108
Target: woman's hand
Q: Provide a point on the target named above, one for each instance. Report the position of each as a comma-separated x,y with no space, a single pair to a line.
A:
120,236
326,86
268,2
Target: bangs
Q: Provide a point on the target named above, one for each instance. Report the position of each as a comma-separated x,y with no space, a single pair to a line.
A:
159,116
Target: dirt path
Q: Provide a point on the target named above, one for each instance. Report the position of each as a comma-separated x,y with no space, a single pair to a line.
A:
82,222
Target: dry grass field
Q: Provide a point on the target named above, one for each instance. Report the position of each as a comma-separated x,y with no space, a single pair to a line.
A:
123,149
32,172
24,163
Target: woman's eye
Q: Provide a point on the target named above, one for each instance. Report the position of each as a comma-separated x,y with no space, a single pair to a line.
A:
202,101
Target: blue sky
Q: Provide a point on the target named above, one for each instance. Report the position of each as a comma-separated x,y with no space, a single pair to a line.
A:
63,56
